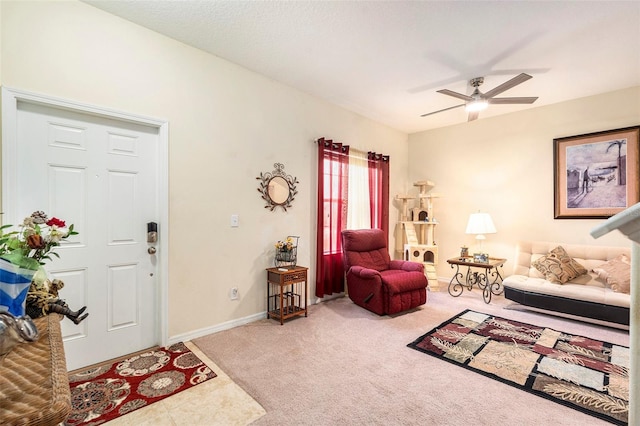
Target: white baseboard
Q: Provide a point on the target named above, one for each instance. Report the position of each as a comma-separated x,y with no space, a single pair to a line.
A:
185,337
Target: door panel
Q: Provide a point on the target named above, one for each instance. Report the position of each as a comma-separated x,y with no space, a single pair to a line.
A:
122,195
75,293
123,300
101,175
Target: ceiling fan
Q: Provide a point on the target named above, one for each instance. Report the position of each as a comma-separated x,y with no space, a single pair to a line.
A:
478,101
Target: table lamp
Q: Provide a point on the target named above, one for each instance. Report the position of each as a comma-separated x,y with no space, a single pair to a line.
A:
480,224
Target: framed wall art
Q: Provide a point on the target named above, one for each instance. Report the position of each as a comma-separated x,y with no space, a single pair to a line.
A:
596,175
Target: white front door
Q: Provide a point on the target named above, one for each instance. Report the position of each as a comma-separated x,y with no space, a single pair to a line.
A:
101,174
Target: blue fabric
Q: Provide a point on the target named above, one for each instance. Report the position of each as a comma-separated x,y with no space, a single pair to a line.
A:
12,277
15,305
14,286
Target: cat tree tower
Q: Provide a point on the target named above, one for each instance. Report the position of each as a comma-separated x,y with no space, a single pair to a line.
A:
415,232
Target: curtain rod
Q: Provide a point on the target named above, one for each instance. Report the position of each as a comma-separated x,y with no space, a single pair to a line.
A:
383,157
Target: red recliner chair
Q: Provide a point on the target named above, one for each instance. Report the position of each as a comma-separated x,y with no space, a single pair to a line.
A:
376,282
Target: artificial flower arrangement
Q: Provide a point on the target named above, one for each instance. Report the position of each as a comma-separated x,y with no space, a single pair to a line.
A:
22,254
287,252
33,244
286,245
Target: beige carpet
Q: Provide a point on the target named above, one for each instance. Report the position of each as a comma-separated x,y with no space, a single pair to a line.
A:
345,365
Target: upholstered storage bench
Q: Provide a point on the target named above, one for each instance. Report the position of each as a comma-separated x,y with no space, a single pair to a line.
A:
586,297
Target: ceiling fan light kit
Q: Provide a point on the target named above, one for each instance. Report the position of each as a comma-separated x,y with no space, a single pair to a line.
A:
479,101
476,105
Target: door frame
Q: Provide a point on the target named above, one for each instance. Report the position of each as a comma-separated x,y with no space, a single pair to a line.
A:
10,99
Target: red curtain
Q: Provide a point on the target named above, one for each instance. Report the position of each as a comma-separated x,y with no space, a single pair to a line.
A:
379,191
333,177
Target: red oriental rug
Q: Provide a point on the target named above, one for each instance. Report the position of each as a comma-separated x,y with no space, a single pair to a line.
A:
579,372
102,393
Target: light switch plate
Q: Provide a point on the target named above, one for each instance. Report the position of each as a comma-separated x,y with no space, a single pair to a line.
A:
235,221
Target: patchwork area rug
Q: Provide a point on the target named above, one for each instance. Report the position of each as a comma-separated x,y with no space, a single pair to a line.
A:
103,393
579,372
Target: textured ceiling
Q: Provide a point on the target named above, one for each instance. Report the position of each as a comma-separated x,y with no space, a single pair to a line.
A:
386,59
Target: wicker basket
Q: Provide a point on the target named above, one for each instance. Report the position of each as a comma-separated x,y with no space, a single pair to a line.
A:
34,386
287,257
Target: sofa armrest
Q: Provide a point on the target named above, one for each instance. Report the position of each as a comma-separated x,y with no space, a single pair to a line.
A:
364,273
406,265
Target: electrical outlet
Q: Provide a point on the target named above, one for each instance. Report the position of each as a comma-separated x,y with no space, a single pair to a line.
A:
233,294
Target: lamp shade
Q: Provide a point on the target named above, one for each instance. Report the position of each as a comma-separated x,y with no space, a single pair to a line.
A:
480,223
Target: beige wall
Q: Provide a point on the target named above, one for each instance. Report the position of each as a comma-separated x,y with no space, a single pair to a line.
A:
226,126
504,166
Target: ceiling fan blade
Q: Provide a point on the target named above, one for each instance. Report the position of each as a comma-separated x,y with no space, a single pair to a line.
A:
516,100
473,115
455,94
442,110
521,78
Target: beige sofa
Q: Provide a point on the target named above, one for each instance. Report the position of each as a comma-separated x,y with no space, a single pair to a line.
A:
586,297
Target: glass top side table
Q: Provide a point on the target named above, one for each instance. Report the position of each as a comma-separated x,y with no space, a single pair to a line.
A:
486,275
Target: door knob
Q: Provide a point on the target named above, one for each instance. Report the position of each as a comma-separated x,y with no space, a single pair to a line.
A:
151,250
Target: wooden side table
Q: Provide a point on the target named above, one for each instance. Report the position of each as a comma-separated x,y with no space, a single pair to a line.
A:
488,279
286,292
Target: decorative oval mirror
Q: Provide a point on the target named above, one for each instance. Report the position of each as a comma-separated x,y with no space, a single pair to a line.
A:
277,188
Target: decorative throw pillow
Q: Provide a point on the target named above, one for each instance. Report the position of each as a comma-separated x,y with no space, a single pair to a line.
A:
616,273
558,267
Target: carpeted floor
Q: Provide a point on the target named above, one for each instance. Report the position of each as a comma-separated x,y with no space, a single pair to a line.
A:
345,365
579,372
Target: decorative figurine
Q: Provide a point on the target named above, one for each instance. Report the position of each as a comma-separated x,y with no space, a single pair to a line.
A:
43,299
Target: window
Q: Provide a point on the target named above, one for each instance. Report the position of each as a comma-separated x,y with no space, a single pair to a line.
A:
353,193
